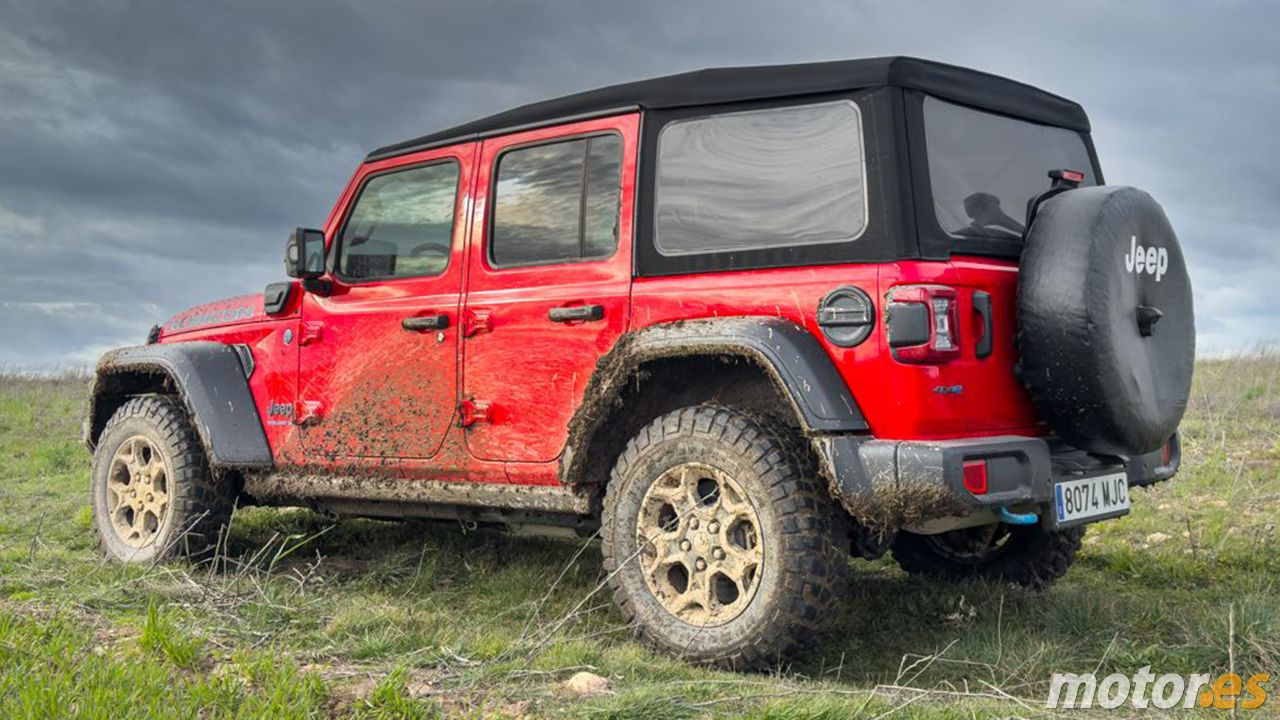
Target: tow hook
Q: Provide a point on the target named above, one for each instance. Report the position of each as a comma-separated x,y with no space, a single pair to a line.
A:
1012,518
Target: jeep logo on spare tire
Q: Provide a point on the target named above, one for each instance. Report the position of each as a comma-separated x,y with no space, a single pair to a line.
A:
1151,260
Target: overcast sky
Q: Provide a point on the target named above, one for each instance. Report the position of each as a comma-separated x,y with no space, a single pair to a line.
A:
155,155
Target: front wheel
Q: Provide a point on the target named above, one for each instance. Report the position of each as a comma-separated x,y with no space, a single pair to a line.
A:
720,545
1028,555
153,494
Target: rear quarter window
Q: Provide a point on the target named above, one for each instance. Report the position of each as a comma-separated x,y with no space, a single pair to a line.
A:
761,179
984,167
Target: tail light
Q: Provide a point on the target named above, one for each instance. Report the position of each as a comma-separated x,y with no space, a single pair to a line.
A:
923,324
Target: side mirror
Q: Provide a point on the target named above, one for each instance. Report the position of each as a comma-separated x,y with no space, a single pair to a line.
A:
304,254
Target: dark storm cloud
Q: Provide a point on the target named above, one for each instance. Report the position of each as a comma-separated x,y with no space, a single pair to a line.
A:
154,155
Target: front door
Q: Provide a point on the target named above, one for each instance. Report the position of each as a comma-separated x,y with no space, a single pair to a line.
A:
379,353
549,283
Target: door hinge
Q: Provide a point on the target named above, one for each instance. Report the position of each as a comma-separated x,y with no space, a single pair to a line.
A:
476,322
312,332
308,412
471,412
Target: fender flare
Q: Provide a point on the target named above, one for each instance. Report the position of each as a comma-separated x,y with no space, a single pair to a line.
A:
787,352
213,381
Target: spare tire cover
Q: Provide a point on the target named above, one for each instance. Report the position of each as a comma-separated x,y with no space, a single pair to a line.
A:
1105,323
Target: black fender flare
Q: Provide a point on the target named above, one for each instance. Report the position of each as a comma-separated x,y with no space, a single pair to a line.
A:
787,352
213,381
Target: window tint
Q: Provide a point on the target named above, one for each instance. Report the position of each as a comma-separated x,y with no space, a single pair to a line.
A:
985,167
761,179
557,202
401,225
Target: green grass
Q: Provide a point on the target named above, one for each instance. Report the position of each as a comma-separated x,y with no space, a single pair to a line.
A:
306,617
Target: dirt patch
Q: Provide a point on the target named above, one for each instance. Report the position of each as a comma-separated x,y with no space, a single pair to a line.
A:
288,487
888,507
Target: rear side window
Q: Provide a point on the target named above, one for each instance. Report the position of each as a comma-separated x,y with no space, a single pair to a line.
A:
557,203
983,167
401,225
761,179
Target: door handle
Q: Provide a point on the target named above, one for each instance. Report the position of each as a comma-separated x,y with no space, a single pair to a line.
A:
419,323
585,313
982,306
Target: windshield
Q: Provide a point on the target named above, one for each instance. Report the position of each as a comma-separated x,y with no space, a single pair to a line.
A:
985,167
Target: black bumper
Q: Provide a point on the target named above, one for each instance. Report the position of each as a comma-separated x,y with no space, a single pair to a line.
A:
1021,471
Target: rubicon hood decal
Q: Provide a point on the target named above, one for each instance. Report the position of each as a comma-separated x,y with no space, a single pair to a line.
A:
223,312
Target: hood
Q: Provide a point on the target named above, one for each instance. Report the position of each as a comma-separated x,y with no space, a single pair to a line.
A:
231,311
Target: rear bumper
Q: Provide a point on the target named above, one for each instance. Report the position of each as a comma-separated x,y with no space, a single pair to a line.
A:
913,481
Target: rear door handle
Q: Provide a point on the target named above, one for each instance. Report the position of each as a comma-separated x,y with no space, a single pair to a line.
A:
584,313
419,323
982,306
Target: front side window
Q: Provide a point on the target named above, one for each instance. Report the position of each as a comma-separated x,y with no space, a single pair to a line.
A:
761,179
401,225
557,202
984,167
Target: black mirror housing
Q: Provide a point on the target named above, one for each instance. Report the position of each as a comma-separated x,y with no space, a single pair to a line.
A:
304,254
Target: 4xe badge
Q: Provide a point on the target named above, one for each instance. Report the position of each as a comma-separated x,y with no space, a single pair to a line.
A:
1149,260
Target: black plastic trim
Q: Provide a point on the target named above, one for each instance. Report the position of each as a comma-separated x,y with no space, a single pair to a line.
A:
982,306
1020,470
790,352
907,324
275,298
210,378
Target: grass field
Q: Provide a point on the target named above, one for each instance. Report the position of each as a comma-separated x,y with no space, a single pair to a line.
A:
307,617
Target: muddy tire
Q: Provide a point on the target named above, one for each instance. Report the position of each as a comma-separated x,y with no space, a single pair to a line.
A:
153,494
1027,555
720,545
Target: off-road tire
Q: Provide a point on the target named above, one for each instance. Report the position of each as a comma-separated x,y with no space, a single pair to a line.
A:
199,504
1030,556
804,535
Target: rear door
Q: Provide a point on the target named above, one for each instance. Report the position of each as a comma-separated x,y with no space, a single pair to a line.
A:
379,352
548,283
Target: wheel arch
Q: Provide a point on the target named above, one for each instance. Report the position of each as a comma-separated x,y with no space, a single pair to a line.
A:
743,355
210,379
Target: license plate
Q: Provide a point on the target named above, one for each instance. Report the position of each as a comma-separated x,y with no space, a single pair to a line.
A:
1092,498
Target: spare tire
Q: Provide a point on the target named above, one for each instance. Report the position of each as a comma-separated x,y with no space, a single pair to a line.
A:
1105,323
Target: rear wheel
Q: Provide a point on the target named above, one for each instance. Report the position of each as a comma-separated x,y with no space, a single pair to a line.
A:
153,494
1028,555
719,544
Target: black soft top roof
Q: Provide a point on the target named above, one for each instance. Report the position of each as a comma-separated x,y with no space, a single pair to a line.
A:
738,84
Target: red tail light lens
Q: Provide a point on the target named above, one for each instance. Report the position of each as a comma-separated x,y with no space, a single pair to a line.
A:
940,342
975,476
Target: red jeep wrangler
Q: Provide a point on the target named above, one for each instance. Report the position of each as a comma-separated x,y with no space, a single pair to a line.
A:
736,321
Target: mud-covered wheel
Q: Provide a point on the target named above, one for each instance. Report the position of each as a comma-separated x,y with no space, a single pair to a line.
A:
153,494
720,544
1028,555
